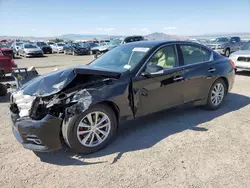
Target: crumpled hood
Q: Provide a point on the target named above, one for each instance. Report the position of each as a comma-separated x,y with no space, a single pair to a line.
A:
54,82
242,52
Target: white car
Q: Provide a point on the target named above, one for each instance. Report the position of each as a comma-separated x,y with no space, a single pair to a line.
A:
57,47
241,58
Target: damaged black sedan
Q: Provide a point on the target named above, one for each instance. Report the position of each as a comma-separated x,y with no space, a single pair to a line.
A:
84,106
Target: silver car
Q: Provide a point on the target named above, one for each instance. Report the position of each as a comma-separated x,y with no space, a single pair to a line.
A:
30,50
57,47
241,58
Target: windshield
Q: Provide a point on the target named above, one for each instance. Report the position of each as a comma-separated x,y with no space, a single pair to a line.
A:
30,46
41,44
246,46
115,42
93,45
3,45
76,45
60,44
85,45
49,43
19,43
221,40
121,58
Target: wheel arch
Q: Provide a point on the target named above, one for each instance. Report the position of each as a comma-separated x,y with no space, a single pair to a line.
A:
113,106
224,79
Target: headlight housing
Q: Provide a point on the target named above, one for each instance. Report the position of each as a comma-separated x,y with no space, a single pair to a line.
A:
220,47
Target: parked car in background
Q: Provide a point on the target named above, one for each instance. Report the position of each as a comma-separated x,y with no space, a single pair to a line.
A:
6,50
96,48
76,49
6,63
57,47
241,58
45,47
51,44
132,39
226,45
15,46
85,105
116,42
112,44
30,50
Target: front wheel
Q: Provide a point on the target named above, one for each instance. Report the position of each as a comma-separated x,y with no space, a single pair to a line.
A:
216,95
91,130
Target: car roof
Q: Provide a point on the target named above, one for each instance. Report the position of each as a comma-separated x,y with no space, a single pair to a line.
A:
155,43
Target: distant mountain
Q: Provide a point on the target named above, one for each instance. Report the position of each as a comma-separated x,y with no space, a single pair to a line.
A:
163,36
242,35
152,36
85,37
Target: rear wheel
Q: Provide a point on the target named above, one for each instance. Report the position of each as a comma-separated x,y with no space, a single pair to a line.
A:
227,52
216,95
92,130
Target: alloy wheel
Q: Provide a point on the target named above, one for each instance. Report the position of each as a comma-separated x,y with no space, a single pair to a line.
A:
93,129
217,94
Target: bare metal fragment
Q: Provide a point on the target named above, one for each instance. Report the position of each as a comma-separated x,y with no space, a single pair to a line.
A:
82,100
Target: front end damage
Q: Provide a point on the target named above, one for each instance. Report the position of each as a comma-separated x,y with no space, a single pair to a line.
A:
37,116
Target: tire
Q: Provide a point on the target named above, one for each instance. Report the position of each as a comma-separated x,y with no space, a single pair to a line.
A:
227,52
71,128
210,101
3,90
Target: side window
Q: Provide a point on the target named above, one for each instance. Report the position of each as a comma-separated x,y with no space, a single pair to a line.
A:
165,57
194,54
206,54
233,39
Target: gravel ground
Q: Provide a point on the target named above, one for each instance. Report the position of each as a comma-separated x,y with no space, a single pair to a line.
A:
187,147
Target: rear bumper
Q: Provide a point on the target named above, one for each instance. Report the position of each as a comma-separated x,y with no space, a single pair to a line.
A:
37,135
231,78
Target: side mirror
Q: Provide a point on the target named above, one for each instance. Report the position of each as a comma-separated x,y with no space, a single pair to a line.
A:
152,70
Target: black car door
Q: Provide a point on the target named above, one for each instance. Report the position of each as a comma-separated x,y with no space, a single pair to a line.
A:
197,78
160,90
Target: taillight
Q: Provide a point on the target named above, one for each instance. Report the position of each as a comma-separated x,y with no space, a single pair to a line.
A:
232,64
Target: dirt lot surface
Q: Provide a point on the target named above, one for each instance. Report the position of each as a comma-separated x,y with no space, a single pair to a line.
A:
178,148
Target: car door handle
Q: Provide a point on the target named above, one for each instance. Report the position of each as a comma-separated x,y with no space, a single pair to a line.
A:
178,78
211,70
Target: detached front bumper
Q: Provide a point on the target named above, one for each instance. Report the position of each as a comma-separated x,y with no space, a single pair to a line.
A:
37,135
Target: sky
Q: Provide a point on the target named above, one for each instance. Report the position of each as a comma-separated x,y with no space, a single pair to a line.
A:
49,18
